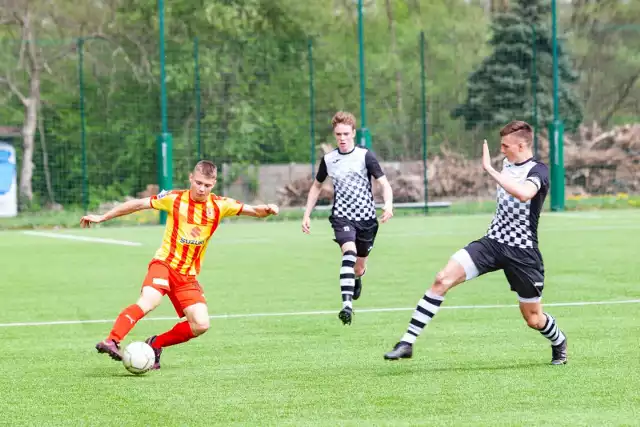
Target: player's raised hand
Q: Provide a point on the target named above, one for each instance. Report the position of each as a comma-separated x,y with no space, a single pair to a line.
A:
387,213
273,209
306,225
486,157
85,221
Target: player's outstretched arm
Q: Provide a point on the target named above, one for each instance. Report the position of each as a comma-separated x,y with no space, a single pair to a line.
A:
312,199
521,191
387,196
122,209
260,211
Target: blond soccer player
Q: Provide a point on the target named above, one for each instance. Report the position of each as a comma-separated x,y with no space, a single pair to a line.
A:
193,217
353,215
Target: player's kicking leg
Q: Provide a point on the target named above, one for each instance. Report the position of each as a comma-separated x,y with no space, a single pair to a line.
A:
196,312
453,274
149,299
477,258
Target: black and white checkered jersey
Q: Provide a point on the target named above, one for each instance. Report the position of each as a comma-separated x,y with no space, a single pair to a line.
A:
351,175
515,223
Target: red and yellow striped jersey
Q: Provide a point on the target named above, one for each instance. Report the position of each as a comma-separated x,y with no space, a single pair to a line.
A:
190,225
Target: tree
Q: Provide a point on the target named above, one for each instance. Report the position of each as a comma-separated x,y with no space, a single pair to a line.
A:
605,40
501,88
21,25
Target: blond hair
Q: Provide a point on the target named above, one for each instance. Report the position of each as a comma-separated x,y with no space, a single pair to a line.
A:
206,168
343,118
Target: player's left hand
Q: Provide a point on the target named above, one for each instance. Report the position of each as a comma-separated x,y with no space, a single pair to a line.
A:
273,209
386,214
85,221
486,157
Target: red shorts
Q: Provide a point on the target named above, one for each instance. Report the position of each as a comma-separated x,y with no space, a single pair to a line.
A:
182,290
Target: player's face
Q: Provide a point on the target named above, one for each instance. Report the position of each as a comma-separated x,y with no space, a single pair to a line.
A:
511,147
201,185
345,135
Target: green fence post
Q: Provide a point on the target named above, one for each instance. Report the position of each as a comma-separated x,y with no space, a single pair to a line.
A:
196,85
363,136
556,129
423,85
83,126
534,87
556,157
164,141
312,110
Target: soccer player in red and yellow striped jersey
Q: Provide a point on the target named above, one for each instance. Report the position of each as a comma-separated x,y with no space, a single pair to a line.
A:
193,217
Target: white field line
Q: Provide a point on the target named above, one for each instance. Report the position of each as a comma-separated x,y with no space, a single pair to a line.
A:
240,241
313,313
81,238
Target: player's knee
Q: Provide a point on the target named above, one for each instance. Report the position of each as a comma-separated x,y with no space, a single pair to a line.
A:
534,320
146,304
442,283
150,298
199,327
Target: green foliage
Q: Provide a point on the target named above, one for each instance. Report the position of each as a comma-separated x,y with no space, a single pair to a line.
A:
605,41
503,87
252,81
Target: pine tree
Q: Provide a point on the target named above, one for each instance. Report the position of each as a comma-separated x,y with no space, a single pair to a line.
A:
501,89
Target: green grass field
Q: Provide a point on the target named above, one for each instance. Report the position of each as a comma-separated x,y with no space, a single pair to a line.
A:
278,355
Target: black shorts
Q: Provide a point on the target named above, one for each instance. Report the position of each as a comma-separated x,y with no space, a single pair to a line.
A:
363,233
523,268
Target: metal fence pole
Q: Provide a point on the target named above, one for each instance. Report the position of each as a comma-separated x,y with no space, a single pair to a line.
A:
534,87
556,129
312,110
423,81
165,139
83,126
196,85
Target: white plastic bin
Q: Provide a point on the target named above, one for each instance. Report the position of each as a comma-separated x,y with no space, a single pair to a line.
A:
8,181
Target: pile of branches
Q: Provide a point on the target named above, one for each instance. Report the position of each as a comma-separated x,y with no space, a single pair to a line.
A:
449,175
596,162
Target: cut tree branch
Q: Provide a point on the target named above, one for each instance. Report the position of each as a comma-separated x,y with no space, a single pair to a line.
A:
14,89
623,93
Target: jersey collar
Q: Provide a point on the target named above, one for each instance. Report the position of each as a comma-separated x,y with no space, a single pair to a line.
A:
524,162
349,152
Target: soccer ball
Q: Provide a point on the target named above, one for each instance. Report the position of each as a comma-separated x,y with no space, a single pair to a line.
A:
138,357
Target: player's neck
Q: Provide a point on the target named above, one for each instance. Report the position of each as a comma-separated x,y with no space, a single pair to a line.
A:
522,157
195,199
348,149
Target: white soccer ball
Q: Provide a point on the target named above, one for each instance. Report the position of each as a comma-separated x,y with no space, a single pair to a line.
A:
138,357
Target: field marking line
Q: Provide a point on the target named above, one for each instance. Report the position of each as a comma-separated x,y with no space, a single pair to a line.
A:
81,238
321,312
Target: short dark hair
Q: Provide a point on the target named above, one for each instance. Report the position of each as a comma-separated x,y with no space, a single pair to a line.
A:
206,168
519,129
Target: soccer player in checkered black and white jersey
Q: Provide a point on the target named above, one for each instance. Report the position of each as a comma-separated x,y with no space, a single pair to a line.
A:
193,217
353,215
510,245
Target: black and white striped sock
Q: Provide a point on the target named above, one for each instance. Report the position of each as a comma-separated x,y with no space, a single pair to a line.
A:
347,278
551,331
427,307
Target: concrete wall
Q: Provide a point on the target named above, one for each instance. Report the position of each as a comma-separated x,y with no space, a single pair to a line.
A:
272,177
